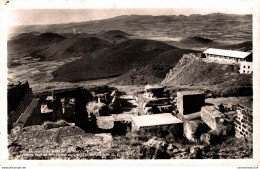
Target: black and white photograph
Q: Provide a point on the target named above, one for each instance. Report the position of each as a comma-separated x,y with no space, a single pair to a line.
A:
131,83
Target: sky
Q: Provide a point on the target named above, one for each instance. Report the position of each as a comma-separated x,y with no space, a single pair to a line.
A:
85,10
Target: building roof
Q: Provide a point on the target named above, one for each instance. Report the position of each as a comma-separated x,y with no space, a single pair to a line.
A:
155,120
229,53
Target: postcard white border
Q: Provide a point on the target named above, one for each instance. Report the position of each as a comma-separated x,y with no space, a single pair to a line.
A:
54,4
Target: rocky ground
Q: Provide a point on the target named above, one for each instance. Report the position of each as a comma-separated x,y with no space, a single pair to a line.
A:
63,141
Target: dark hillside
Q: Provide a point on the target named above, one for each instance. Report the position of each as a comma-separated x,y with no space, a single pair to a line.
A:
152,74
244,46
112,33
29,42
196,40
73,47
110,62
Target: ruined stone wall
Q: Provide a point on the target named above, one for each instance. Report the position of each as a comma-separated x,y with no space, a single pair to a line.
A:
244,123
148,106
25,102
35,117
15,93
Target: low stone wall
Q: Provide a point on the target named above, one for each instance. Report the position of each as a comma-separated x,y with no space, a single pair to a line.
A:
244,122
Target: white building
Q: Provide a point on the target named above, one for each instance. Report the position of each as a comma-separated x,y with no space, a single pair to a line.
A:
228,55
246,68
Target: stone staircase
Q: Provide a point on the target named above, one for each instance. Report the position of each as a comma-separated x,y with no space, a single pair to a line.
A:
129,105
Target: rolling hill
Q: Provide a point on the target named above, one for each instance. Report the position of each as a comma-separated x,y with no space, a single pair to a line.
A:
196,40
73,47
114,61
31,42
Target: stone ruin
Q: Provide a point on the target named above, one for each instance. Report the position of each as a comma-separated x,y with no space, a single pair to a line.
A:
189,102
219,122
244,122
153,101
212,121
201,122
23,108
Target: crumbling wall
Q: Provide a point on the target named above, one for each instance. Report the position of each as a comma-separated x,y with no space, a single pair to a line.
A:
244,122
35,117
15,93
25,102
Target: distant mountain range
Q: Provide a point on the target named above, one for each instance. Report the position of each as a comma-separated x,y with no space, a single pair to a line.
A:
216,26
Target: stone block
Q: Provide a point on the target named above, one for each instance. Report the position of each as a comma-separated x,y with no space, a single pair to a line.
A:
165,109
212,117
154,91
193,129
190,101
158,102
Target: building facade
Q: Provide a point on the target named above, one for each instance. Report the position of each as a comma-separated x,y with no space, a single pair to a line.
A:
228,55
246,68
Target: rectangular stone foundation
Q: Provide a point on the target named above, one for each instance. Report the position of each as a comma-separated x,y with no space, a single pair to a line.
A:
190,101
148,121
